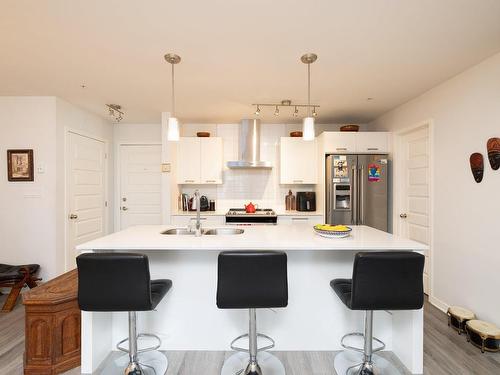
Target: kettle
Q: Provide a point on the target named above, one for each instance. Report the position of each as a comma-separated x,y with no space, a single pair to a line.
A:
250,208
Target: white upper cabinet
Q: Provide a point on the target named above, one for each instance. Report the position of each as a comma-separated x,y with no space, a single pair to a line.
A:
211,160
298,161
356,142
372,142
199,160
340,142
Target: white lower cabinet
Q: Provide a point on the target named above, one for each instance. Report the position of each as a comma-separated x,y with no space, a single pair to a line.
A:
297,219
206,220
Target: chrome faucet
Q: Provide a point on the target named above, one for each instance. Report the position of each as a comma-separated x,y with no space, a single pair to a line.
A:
197,228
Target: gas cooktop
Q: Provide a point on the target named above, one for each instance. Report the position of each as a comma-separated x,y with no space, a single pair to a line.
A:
258,212
260,216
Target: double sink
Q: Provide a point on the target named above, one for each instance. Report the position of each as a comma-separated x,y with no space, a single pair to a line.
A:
208,232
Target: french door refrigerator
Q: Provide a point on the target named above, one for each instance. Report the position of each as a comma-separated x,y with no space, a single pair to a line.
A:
356,190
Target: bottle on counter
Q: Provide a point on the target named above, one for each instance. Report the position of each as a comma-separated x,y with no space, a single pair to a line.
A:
212,205
290,201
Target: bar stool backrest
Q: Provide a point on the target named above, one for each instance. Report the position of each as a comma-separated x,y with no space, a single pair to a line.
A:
252,279
114,282
389,280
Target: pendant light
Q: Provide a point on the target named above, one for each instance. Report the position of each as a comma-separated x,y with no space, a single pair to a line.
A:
308,132
173,133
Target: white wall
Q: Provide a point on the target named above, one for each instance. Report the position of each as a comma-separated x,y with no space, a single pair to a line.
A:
27,209
32,214
466,254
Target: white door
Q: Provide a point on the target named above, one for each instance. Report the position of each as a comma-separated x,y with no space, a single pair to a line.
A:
414,216
140,185
85,189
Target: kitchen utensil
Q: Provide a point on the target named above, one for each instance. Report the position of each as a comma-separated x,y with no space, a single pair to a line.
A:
250,208
493,147
296,134
477,166
203,134
349,128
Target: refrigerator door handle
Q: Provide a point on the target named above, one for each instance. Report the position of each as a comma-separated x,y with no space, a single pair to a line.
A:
362,195
354,197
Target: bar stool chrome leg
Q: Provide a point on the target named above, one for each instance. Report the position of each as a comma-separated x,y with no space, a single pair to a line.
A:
145,361
254,360
356,361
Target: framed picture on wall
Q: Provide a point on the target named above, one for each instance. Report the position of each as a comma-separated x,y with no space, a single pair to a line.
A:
20,165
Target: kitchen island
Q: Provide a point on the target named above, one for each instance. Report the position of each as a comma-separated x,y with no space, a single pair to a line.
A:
315,319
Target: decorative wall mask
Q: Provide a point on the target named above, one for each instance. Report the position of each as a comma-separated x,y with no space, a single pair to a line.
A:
477,166
493,147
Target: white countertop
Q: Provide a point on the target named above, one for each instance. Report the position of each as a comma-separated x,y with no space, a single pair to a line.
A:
287,237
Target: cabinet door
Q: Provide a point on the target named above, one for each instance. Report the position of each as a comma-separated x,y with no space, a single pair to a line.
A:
298,161
340,142
300,219
211,160
188,160
372,142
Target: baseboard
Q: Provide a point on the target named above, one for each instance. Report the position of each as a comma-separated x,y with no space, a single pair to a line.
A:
438,303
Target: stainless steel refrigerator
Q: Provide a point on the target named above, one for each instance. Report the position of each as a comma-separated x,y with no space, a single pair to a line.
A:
356,190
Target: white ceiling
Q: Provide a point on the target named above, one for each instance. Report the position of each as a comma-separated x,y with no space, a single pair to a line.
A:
235,53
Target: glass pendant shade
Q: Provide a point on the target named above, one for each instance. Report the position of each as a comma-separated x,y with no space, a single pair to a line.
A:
308,133
173,132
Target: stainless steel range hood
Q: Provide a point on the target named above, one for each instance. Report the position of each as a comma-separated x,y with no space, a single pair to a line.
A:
249,146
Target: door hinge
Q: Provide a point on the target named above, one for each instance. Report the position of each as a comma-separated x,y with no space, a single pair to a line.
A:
106,204
105,155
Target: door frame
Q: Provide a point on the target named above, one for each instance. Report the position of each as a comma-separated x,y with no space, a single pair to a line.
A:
67,131
118,178
398,196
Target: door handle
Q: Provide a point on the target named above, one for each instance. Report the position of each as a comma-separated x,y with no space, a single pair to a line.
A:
124,208
403,216
73,216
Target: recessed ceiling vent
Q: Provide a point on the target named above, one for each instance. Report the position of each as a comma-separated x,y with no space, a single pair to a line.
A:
249,146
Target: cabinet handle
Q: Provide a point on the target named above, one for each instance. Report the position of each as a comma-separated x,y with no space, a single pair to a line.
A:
341,148
298,180
372,148
188,180
210,181
300,218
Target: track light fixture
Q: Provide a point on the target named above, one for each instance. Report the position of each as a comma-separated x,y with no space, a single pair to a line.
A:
114,110
283,104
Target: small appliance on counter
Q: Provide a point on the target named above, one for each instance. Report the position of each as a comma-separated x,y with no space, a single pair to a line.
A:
187,203
306,201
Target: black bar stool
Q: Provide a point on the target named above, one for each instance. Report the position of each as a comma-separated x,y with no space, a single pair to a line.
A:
390,280
252,280
121,282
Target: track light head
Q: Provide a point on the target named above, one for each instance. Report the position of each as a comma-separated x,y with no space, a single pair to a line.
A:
277,111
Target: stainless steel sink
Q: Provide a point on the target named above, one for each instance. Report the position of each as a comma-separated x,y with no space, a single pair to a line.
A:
208,232
178,232
223,231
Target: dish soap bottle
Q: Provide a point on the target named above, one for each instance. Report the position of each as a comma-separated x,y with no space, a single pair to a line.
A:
290,201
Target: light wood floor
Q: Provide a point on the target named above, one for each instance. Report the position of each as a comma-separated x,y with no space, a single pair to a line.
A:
445,352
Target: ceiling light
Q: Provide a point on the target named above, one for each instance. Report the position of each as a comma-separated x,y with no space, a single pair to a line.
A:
173,132
276,111
257,111
308,132
314,112
115,110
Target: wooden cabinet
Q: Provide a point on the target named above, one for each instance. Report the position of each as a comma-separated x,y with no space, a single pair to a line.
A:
298,161
356,143
52,334
206,220
199,160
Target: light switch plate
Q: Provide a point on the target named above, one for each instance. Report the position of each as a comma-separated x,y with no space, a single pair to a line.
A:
165,167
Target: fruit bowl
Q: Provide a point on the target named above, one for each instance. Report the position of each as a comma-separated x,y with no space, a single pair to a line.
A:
332,231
